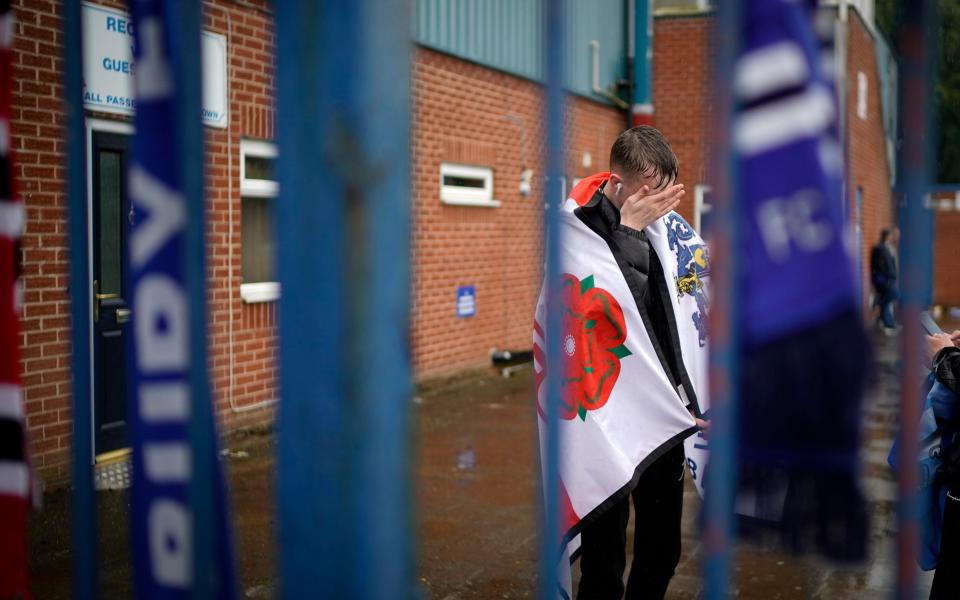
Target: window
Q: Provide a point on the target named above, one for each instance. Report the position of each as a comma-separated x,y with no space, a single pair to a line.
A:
682,4
564,192
702,205
466,186
862,95
258,188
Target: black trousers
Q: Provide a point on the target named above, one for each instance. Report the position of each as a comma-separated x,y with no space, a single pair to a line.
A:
658,506
946,580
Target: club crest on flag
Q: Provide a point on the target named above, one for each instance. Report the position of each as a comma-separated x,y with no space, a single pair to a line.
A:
693,266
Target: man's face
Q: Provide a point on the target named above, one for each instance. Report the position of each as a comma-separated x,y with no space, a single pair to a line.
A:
895,236
631,185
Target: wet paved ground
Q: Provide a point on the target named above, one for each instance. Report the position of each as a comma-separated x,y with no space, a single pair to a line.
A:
477,497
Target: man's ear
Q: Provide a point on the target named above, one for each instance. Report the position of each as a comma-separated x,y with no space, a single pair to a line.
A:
615,183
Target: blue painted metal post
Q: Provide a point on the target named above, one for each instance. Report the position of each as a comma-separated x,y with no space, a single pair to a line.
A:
917,40
344,493
718,532
554,27
84,515
641,105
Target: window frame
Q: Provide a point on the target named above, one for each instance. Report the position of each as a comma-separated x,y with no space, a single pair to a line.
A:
460,196
257,188
863,98
700,205
260,291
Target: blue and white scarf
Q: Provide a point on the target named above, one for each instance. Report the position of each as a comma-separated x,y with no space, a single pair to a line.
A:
804,351
159,395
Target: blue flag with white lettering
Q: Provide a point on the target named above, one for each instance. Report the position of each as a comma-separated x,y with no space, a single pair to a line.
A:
804,351
160,400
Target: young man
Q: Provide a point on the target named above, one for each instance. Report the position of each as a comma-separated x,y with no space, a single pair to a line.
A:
883,275
641,189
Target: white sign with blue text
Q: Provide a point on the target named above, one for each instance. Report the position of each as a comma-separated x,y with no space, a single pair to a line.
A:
466,301
108,66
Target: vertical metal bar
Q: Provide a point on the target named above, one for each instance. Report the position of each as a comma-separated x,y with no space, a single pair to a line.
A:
724,364
342,232
554,28
84,523
917,42
379,305
311,260
641,110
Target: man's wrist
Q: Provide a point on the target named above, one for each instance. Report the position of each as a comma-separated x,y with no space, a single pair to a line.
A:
631,231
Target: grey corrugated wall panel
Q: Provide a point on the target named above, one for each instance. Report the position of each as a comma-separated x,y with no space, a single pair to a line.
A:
507,35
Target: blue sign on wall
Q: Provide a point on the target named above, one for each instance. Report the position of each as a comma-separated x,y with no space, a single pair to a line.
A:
466,301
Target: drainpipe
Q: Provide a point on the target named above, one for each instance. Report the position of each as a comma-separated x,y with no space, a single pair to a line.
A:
640,60
840,51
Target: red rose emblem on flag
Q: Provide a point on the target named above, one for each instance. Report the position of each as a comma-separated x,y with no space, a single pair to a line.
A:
592,335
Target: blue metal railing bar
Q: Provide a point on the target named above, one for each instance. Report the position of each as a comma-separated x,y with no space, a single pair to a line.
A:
310,484
378,224
918,35
342,227
84,516
554,27
718,528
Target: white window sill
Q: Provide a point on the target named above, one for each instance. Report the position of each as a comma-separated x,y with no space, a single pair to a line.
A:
471,202
268,291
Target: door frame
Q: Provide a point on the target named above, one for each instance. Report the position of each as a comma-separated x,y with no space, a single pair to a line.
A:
104,126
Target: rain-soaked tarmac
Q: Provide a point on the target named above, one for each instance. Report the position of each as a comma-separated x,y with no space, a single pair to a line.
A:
476,487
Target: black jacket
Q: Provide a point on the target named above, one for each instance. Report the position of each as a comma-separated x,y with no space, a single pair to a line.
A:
644,274
946,367
883,268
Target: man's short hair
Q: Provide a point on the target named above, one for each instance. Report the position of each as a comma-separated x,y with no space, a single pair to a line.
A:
885,234
644,152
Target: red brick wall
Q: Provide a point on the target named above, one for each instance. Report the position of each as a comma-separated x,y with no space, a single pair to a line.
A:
38,138
946,247
243,341
866,146
459,112
682,112
38,131
681,105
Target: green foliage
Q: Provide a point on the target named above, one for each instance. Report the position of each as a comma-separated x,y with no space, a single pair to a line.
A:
947,100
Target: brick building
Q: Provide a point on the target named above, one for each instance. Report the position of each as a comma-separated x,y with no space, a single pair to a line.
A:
869,131
471,115
242,342
946,241
868,91
477,186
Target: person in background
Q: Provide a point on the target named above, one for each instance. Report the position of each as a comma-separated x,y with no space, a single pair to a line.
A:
883,276
943,356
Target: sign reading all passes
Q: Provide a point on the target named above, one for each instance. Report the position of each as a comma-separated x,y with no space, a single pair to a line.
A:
108,66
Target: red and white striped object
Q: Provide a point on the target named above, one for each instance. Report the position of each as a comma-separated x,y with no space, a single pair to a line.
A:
15,478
